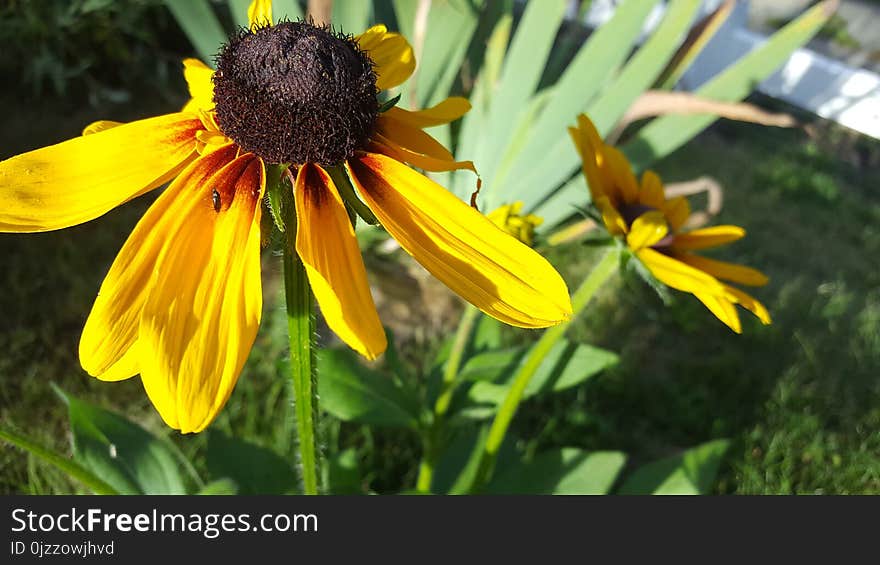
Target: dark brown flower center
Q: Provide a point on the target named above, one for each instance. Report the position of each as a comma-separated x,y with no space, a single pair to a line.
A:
296,93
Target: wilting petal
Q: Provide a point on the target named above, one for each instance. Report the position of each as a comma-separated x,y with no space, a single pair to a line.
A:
461,247
385,146
111,329
80,179
722,308
749,303
201,88
447,111
204,299
409,144
678,275
646,230
677,211
260,13
411,138
651,192
614,222
391,53
728,271
704,238
326,243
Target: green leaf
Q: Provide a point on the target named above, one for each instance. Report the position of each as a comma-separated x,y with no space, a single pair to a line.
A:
520,75
286,9
561,471
124,454
200,25
457,467
487,334
351,16
609,106
565,366
219,487
253,468
476,121
343,473
447,35
238,10
71,468
691,472
490,365
666,134
353,393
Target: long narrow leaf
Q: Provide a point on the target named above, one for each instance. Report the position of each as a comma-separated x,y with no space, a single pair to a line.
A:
595,63
351,16
637,75
522,71
69,467
200,25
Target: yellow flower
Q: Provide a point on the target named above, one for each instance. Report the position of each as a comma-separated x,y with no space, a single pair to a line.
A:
509,218
181,303
651,224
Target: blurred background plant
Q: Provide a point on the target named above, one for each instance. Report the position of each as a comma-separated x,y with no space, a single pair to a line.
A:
796,401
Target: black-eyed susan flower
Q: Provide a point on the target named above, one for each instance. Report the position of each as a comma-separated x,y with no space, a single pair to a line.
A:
510,218
181,303
651,225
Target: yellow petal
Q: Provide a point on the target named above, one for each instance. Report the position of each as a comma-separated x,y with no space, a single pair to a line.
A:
624,180
591,148
728,271
447,111
411,145
749,303
646,230
677,211
111,330
204,299
723,309
260,13
651,193
385,146
80,179
462,248
393,57
614,222
201,87
678,275
326,243
99,126
704,238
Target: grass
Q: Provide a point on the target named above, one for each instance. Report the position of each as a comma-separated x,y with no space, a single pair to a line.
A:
799,399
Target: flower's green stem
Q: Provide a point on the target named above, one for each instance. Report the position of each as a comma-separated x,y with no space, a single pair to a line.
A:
582,296
441,406
301,330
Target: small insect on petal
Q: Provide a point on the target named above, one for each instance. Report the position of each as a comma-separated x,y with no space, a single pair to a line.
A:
215,198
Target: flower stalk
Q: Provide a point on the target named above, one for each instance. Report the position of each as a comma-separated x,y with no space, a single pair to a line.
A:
301,332
582,296
444,398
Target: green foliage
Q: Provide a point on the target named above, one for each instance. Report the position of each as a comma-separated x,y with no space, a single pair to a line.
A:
125,455
562,471
95,51
691,472
352,392
252,469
